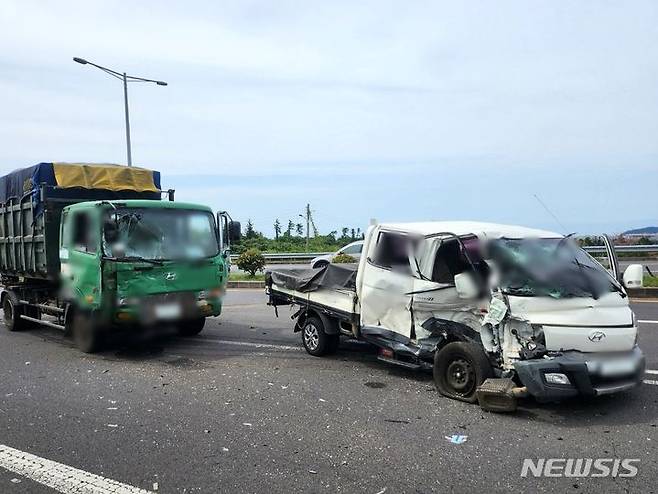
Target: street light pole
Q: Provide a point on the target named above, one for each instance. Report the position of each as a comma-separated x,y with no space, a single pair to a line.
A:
125,101
125,79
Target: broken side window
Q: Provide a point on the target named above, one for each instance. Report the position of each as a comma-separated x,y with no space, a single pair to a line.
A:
454,257
392,251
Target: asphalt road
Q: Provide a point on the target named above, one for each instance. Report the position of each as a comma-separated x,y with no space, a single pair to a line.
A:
241,408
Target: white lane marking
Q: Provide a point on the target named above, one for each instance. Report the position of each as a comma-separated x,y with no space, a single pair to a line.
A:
60,477
648,322
650,381
651,371
250,344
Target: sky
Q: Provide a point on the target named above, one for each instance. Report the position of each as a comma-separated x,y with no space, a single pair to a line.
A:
392,110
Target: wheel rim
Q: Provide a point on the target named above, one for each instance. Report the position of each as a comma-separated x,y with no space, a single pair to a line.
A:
311,336
460,376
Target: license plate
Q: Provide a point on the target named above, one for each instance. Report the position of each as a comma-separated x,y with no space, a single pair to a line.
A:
167,311
618,367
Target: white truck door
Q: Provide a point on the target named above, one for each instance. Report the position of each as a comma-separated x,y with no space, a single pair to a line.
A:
434,293
387,283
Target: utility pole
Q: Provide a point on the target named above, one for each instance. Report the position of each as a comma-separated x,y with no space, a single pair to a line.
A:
308,221
307,217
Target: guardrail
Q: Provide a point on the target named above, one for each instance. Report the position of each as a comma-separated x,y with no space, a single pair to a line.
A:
643,249
280,257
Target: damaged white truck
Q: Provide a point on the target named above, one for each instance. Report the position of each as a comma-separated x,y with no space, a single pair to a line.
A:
496,311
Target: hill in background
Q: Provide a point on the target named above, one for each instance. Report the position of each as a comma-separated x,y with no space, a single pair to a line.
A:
647,230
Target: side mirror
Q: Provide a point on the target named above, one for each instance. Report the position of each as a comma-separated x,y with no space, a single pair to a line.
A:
234,231
465,285
633,276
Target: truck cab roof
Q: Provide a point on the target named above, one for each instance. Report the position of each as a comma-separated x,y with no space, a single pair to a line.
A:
139,203
482,230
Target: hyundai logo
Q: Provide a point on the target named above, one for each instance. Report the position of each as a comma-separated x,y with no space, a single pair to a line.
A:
596,336
170,276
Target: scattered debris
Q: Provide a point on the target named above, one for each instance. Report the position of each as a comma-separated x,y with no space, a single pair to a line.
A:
224,450
155,486
457,438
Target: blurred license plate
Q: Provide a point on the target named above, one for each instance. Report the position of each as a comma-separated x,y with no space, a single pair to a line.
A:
617,367
167,311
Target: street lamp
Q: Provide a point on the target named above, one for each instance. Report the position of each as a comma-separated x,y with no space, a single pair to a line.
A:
126,79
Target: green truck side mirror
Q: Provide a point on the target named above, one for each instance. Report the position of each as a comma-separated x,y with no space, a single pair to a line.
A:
234,231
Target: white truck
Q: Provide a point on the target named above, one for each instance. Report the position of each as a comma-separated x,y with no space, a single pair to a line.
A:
496,311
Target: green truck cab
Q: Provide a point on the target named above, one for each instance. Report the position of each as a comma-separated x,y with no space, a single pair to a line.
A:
126,259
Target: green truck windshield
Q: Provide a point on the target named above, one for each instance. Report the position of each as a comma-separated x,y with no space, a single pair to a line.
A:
159,234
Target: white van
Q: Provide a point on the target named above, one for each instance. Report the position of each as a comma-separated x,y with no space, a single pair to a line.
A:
496,311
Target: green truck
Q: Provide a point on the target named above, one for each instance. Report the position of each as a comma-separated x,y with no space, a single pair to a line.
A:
93,248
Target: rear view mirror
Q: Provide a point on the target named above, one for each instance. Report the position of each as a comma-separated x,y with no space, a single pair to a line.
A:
234,231
633,276
465,285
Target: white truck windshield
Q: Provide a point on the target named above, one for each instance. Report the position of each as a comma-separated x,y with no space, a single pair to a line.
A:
551,267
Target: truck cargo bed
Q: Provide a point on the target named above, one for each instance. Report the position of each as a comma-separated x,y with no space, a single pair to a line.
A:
329,289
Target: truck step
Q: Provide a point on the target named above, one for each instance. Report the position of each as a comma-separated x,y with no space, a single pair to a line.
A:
43,323
401,363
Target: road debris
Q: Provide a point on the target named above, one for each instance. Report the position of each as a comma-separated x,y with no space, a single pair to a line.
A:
457,438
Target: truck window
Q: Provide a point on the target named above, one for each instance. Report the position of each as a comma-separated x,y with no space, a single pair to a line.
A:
450,261
83,238
392,251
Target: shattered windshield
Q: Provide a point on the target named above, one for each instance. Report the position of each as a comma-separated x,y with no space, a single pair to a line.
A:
160,234
551,267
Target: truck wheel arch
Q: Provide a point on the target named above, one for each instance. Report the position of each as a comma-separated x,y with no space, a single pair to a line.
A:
330,324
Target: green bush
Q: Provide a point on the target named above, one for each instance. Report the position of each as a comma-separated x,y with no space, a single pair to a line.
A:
343,259
251,261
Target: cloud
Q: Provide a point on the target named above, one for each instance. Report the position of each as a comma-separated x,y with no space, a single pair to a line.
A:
307,96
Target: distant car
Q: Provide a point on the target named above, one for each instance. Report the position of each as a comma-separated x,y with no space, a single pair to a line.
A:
354,249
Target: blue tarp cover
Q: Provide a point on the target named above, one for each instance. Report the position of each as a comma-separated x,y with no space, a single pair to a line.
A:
26,181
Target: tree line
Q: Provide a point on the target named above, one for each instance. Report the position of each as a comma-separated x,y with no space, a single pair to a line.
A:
292,238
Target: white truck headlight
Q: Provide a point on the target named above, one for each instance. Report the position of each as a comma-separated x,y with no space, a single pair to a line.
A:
556,378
